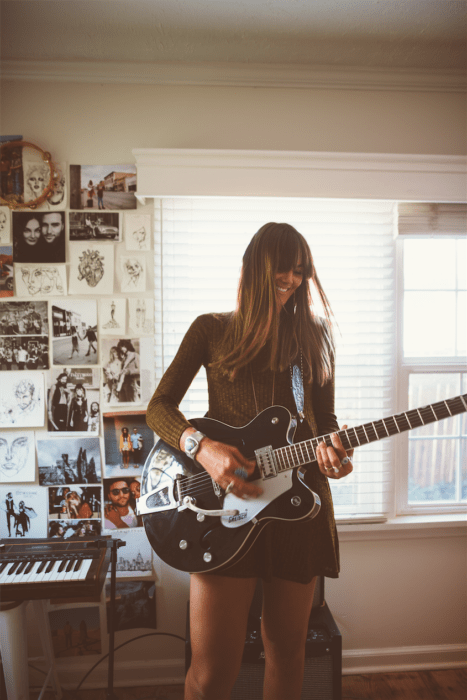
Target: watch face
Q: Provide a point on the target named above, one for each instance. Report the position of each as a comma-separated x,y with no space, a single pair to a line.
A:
190,444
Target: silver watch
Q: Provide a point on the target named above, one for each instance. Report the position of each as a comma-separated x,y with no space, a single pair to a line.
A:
192,443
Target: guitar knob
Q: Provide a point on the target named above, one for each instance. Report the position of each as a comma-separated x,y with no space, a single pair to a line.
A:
275,421
296,500
183,544
207,556
200,517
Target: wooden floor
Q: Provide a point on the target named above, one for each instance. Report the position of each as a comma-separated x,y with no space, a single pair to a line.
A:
421,685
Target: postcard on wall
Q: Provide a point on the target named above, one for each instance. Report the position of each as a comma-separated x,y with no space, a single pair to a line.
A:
23,511
75,502
112,316
127,374
39,237
68,461
133,273
40,280
5,226
128,440
88,226
21,318
17,456
141,315
102,187
12,177
135,605
76,631
135,558
22,400
6,271
120,494
59,197
24,342
74,324
73,400
74,528
91,268
138,231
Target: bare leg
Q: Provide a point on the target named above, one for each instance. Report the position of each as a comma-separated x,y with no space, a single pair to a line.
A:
219,607
286,611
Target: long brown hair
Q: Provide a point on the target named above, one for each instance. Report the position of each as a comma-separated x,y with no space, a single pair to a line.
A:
260,320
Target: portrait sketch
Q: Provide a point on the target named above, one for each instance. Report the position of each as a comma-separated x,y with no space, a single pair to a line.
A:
138,231
91,268
133,273
5,226
75,333
23,511
39,237
141,315
102,186
59,196
68,461
73,401
17,456
22,400
112,316
40,280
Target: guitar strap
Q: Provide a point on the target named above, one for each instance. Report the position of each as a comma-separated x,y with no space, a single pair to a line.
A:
296,376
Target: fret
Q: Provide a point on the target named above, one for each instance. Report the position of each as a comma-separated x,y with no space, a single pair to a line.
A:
449,410
366,434
433,411
465,404
376,432
420,416
356,435
280,459
295,457
385,427
407,418
392,431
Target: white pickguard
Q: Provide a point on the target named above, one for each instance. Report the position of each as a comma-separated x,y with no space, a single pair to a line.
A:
247,510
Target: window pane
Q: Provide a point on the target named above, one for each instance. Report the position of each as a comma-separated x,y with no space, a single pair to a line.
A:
430,388
429,324
464,469
432,470
462,324
430,264
462,263
464,415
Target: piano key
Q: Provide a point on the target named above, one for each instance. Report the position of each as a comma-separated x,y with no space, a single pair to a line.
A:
49,566
41,572
41,565
51,571
29,567
84,569
70,564
3,565
4,576
13,567
32,573
62,565
21,568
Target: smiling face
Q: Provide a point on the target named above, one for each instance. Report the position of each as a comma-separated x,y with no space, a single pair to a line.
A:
32,232
135,488
288,282
119,494
52,226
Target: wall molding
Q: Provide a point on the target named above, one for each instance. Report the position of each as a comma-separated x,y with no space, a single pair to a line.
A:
273,75
166,172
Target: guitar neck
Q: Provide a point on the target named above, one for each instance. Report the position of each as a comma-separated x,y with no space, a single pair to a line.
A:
304,452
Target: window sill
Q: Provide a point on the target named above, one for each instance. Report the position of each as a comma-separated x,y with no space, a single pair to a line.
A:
407,527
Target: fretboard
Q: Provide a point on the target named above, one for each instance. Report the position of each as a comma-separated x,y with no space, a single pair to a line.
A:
304,452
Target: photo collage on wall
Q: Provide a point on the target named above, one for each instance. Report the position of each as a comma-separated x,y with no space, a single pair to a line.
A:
76,371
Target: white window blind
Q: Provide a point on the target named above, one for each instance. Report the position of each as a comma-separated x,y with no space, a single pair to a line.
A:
199,243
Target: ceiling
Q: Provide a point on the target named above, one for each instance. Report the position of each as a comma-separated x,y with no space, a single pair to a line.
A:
422,34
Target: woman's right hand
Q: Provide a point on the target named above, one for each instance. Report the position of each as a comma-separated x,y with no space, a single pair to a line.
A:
221,461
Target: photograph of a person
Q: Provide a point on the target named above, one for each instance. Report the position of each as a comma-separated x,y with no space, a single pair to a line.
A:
135,558
22,400
39,237
30,352
73,400
75,335
135,604
19,318
6,271
17,456
75,631
127,442
45,280
5,226
102,187
86,226
23,512
120,496
91,268
74,528
68,460
74,502
121,374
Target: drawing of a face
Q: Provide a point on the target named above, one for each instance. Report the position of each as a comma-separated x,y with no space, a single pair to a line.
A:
133,270
140,235
32,232
91,267
24,393
2,222
58,192
52,226
41,279
13,455
37,180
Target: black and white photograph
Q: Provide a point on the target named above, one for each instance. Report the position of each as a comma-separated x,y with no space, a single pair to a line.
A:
74,323
21,318
74,528
141,315
135,605
17,456
39,237
22,400
138,231
112,316
133,273
59,196
40,280
7,274
121,371
23,511
135,558
68,461
102,187
73,401
91,268
128,440
75,502
75,631
5,226
120,496
88,226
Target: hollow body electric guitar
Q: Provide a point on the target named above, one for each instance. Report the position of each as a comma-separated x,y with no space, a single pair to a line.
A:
191,523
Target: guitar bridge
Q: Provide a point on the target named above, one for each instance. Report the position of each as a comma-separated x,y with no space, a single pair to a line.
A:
266,462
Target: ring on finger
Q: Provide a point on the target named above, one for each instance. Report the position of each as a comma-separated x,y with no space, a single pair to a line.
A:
241,473
345,461
229,488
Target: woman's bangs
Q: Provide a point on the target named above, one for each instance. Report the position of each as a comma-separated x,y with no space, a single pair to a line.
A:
291,252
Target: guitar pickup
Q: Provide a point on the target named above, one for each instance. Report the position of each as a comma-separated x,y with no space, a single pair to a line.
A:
266,462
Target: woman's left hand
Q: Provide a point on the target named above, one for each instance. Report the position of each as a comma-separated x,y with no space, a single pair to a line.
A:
334,462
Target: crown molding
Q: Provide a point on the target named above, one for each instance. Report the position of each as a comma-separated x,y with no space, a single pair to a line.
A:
238,75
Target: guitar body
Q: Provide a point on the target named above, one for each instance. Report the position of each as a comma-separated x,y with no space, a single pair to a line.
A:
195,542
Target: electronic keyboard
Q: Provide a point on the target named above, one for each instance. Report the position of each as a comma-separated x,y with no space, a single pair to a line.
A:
34,569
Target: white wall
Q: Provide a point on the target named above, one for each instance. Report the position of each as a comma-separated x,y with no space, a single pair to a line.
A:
400,600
